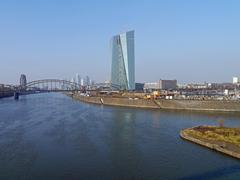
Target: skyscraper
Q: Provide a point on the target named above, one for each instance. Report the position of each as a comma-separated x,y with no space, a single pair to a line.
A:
123,61
87,81
23,80
77,79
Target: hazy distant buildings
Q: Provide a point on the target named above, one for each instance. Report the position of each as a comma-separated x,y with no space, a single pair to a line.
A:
87,81
123,61
82,81
23,80
77,79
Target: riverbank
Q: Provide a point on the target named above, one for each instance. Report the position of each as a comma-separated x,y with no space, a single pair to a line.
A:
221,139
191,105
5,94
111,101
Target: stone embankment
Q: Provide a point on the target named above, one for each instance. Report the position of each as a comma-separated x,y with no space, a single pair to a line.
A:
140,103
193,105
201,105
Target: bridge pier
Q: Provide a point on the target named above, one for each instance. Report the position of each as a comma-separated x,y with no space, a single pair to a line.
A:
16,95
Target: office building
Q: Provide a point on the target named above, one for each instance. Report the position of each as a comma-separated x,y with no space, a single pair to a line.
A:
123,61
167,84
161,85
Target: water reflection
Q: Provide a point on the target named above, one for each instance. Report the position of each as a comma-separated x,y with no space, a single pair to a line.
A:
124,151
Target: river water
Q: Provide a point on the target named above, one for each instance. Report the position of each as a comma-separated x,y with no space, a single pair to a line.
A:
51,136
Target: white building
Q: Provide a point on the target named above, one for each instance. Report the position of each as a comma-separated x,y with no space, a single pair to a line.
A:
151,86
236,80
161,84
82,82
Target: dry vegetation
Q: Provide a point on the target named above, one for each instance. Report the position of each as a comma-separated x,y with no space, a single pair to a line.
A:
212,133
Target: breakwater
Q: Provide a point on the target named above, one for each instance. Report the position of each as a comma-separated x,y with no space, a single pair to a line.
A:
192,105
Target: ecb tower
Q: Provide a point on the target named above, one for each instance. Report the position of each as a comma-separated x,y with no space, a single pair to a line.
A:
123,61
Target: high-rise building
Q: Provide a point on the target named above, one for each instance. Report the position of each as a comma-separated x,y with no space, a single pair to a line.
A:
77,79
23,80
123,61
87,81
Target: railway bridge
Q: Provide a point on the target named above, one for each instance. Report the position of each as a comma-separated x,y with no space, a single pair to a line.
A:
38,86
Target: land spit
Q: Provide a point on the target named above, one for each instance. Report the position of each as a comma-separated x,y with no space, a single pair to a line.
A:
222,139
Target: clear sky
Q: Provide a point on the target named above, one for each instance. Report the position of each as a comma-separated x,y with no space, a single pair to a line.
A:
187,40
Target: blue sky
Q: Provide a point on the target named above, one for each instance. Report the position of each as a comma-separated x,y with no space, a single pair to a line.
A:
191,41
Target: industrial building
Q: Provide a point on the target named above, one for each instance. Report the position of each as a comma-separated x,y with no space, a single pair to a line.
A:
123,61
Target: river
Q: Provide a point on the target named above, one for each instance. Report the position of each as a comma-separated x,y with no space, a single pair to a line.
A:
51,136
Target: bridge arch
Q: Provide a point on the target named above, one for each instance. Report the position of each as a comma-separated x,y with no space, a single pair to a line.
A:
52,85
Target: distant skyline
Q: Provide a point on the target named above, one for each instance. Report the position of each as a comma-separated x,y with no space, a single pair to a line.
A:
191,41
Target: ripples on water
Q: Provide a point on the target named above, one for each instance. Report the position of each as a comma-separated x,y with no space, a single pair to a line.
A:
50,136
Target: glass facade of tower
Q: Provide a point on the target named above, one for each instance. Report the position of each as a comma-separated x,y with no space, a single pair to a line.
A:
123,61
